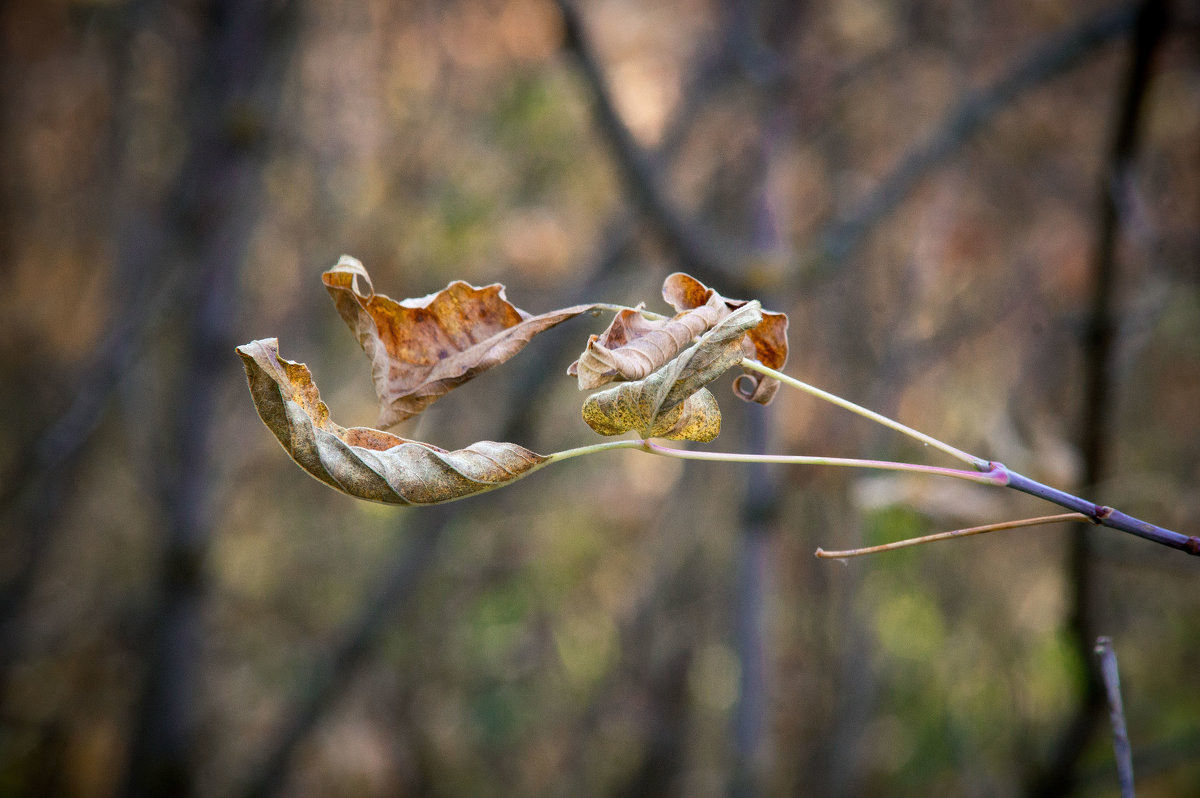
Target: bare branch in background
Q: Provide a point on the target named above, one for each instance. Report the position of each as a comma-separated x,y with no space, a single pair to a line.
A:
243,44
1109,673
708,256
1049,60
715,258
398,585
1096,430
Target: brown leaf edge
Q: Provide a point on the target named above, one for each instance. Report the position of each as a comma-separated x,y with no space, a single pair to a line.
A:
767,343
422,348
673,402
364,462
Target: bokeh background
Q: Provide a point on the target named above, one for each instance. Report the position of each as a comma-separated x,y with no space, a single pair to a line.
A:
982,217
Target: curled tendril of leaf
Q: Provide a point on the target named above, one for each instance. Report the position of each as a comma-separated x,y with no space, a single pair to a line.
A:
364,462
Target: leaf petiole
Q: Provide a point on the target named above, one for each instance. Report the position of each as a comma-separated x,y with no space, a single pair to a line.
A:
596,307
989,477
969,459
567,454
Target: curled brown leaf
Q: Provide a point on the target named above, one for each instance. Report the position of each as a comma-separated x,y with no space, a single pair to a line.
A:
364,462
422,348
633,347
672,402
766,343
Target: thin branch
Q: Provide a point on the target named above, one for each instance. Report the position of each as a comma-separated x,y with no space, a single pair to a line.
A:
720,257
1116,713
957,533
994,473
1151,760
704,253
1147,34
1101,514
1049,60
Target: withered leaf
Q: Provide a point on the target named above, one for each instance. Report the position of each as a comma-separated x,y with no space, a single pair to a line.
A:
364,462
620,409
672,402
633,347
766,343
422,348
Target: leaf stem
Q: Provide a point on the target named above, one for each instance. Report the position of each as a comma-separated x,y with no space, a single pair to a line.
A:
989,477
994,473
957,533
969,459
613,308
605,446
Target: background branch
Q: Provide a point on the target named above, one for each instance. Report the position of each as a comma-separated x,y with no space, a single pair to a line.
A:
1096,429
1109,674
1050,59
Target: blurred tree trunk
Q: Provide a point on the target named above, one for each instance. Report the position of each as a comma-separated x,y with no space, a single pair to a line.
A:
209,229
1096,427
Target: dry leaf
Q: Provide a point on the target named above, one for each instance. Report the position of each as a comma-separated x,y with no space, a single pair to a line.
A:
422,348
766,343
364,462
634,347
672,402
621,409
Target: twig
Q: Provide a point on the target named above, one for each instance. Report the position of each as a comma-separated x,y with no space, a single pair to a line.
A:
704,253
1095,432
1052,58
1149,760
991,477
993,473
1101,514
1116,712
957,533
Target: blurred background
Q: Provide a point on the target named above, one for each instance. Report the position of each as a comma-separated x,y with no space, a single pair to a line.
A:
983,218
